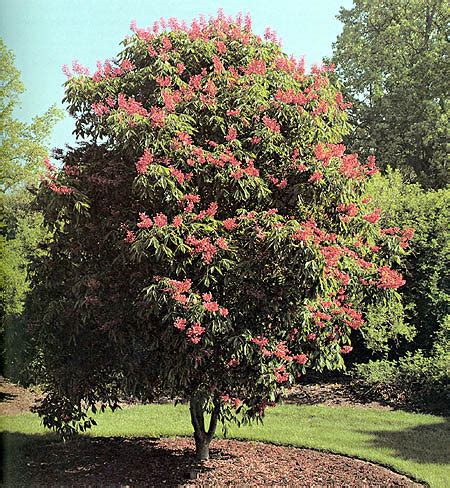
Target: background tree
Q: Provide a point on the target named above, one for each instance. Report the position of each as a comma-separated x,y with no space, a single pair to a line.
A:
22,151
392,59
211,241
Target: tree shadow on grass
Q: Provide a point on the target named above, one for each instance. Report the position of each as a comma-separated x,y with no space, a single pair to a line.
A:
43,460
426,444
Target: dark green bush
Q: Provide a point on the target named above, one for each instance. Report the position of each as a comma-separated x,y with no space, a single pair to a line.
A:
416,380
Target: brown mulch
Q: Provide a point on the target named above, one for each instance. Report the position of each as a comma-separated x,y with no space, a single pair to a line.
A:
14,399
123,462
333,394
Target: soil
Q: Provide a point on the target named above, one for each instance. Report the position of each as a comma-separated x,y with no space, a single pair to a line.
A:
38,460
122,462
14,399
333,392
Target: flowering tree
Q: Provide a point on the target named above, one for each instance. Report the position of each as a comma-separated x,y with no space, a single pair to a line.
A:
211,240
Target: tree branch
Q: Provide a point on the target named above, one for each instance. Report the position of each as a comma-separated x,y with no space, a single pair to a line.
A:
213,421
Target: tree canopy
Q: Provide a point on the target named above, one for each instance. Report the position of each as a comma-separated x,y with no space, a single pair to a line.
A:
392,59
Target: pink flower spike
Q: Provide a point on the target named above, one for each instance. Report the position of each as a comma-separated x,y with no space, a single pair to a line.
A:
160,220
223,311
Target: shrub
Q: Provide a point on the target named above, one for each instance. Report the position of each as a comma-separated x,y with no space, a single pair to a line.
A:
416,380
425,294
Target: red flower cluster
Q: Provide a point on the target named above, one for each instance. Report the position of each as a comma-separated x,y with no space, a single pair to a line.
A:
232,134
354,319
100,109
171,99
61,189
320,317
280,374
145,222
229,224
181,286
291,97
185,138
389,278
218,65
180,323
130,237
234,113
160,220
309,231
371,167
211,306
256,67
351,210
300,358
350,166
331,255
179,175
108,71
203,247
374,216
157,116
163,81
271,124
316,176
281,351
189,201
177,221
221,47
195,332
178,290
279,184
260,341
222,243
209,212
321,108
403,236
131,106
340,102
144,162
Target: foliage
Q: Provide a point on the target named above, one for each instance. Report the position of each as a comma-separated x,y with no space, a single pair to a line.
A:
384,332
425,294
211,240
22,150
416,379
391,57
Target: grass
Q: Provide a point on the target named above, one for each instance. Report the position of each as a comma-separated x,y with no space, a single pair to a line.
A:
413,444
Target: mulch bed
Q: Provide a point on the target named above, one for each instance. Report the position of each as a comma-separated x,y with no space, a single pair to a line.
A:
333,393
14,399
123,462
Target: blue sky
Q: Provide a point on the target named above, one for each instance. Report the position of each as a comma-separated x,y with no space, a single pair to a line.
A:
45,34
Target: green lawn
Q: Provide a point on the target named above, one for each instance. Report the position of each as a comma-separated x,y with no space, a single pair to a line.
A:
414,444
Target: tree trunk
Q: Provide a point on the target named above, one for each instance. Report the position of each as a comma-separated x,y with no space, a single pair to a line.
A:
202,449
202,436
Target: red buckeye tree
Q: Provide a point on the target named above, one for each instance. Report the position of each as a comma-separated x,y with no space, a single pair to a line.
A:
211,242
